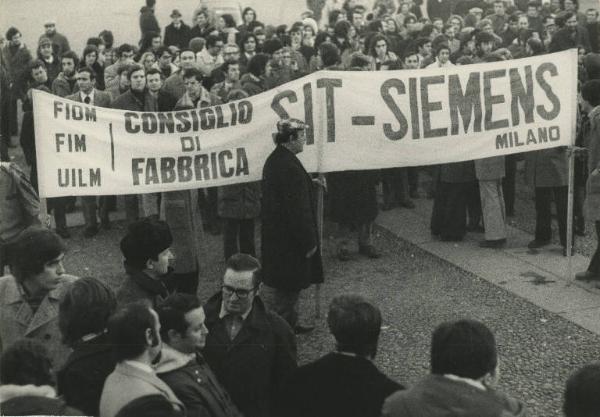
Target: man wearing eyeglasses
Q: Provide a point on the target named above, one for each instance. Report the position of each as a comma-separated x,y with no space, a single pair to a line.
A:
250,349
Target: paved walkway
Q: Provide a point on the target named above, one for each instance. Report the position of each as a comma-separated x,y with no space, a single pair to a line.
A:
539,276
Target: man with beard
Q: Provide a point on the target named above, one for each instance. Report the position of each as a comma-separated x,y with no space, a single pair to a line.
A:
572,35
147,251
59,41
134,332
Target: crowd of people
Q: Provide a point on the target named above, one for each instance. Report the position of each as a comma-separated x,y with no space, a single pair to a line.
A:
73,345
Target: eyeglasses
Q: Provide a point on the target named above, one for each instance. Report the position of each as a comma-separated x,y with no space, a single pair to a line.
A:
240,292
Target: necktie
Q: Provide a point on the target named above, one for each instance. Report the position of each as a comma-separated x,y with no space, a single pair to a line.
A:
87,100
234,325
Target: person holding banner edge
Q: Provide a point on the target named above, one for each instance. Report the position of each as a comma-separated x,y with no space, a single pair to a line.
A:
88,94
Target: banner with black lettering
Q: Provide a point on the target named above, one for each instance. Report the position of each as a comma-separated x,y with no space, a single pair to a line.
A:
357,121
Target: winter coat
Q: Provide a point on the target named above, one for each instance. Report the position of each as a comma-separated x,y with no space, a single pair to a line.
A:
440,8
19,202
137,286
128,101
26,400
438,396
254,365
19,321
127,383
565,39
179,37
101,98
16,62
547,168
61,86
352,196
60,43
289,224
457,172
337,385
252,84
148,22
52,68
488,169
239,201
81,380
195,384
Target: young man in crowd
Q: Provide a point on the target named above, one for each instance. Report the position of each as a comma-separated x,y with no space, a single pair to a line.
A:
88,94
231,81
27,382
182,366
29,297
83,315
464,372
174,85
231,55
210,57
251,349
147,253
134,99
125,55
582,394
134,332
344,383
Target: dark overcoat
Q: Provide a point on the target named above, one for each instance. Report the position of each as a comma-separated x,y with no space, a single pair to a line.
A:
337,385
352,196
289,224
252,366
81,380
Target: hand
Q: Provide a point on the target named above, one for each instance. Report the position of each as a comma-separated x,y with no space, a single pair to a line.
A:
311,252
576,150
321,182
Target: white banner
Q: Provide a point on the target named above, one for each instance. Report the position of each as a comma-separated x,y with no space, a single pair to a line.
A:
359,120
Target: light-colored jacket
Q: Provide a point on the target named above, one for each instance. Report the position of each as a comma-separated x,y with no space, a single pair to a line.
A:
488,169
18,320
127,383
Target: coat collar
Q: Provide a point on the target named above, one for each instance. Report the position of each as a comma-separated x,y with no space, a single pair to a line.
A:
256,322
152,286
95,346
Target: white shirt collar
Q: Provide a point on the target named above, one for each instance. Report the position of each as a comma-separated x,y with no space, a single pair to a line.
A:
90,95
224,312
469,381
139,365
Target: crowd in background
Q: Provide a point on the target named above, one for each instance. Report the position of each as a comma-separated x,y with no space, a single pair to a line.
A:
234,355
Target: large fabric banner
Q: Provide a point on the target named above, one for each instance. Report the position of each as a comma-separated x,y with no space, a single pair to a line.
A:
358,121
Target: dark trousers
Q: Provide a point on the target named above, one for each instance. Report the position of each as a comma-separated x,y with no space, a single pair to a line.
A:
449,215
474,204
413,179
508,183
395,186
59,207
91,205
4,127
543,218
209,205
594,267
239,237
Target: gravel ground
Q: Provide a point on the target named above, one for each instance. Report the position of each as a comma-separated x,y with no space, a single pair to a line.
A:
415,292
